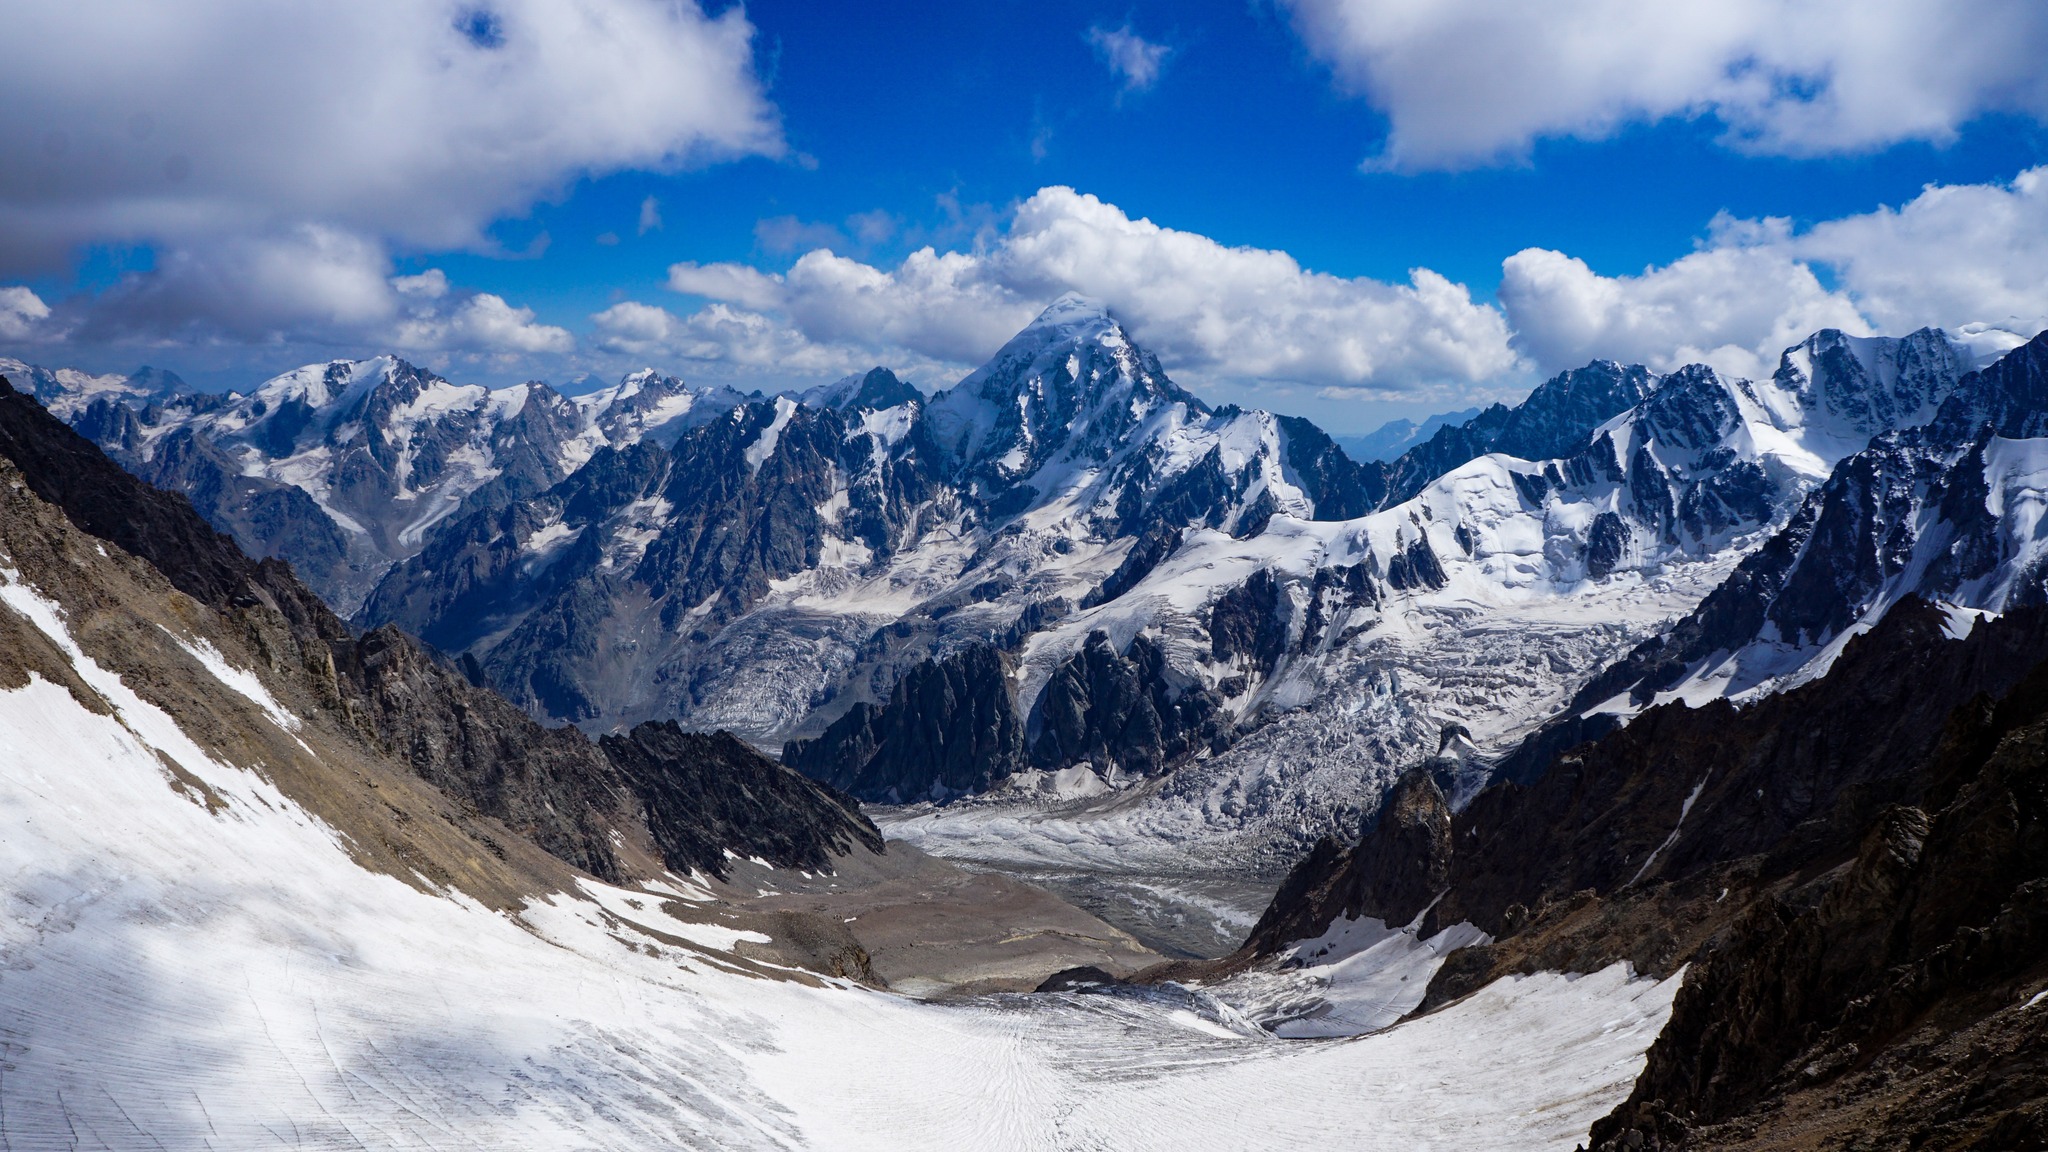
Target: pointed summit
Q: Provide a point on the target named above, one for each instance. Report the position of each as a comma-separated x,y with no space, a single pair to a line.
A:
1070,381
1072,309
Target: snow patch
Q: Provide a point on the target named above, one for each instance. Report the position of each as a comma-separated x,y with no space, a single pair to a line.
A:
243,683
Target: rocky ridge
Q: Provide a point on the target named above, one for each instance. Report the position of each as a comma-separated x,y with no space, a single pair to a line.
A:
1277,622
1847,866
635,812
344,468
1943,510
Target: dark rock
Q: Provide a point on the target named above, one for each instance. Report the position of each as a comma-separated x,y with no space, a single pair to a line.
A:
1940,918
1402,864
1146,552
1339,487
708,794
1250,621
1086,978
950,728
1125,710
1416,568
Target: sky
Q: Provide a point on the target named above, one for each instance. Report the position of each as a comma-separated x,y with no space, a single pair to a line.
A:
1346,209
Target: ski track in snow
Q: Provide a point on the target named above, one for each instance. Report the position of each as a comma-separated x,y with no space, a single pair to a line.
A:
175,977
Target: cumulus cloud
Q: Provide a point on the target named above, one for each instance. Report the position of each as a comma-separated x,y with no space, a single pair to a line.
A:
21,313
1962,257
1732,307
271,156
127,119
306,286
1134,60
1476,81
1209,309
482,323
1954,255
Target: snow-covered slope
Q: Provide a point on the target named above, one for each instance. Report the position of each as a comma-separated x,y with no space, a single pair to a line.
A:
907,592
1949,510
67,391
383,451
228,921
186,976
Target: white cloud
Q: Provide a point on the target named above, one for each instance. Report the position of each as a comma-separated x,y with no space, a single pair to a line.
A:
1957,256
1209,310
1954,255
482,323
650,215
226,134
1134,60
21,312
429,285
1475,81
306,286
722,340
1732,307
306,281
734,282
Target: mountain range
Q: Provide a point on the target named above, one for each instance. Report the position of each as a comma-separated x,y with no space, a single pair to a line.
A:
1060,586
1724,697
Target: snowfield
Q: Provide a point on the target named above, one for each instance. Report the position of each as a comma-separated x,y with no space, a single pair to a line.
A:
190,960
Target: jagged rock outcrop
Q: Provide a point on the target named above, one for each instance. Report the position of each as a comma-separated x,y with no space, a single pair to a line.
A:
1401,864
1835,862
950,727
1146,552
709,794
1557,419
553,786
1249,623
1895,1001
1123,712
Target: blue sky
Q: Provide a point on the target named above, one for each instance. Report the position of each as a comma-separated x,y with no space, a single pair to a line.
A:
1306,128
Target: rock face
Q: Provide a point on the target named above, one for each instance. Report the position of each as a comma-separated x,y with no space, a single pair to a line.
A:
1121,712
1399,866
708,794
1942,511
1898,1001
553,786
1842,864
948,729
345,468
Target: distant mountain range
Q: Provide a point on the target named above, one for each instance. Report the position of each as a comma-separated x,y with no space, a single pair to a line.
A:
1062,578
1394,437
344,468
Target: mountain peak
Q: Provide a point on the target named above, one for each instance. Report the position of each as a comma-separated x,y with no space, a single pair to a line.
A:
1071,308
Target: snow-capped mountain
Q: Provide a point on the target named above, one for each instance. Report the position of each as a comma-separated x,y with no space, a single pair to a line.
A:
1334,649
754,558
67,391
1067,576
1390,440
1947,509
344,468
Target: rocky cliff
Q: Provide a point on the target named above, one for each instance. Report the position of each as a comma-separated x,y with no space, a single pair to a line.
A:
1841,864
553,786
